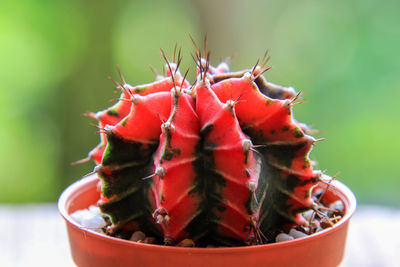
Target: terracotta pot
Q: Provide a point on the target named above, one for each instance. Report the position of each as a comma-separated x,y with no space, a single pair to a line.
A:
88,248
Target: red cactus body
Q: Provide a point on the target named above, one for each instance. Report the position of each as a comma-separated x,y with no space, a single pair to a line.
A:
175,203
233,164
222,161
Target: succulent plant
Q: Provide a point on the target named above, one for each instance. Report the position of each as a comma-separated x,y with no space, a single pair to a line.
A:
221,160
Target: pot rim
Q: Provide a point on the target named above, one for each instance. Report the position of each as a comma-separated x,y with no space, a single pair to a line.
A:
87,183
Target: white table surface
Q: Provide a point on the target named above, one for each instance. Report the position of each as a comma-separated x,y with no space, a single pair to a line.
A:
35,235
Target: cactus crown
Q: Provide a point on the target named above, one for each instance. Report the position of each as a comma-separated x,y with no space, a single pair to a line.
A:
221,160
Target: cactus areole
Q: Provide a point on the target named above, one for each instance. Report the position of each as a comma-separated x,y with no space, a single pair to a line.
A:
220,160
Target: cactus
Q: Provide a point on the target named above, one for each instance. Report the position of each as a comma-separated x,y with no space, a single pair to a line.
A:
221,160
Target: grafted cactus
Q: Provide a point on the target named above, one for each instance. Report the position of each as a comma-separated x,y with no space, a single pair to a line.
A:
221,160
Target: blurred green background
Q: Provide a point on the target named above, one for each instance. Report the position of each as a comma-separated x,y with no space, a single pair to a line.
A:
55,57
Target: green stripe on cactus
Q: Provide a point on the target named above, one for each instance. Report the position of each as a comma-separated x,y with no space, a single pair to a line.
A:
281,154
118,183
120,152
209,185
112,112
133,207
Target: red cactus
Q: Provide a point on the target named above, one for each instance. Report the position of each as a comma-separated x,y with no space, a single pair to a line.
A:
231,162
220,161
175,175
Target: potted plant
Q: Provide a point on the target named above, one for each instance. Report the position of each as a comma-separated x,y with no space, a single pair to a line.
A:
220,165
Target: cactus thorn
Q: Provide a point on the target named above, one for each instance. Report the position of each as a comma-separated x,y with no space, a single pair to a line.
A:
248,76
259,67
322,215
318,140
328,184
260,237
157,75
108,129
120,86
160,172
298,103
127,86
258,146
295,98
90,173
154,71
254,150
81,161
179,61
312,131
195,46
121,76
89,115
162,121
252,186
97,168
255,197
265,58
205,45
135,99
246,145
174,53
207,67
149,176
169,67
177,91
320,207
184,77
191,90
172,68
160,219
230,104
262,72
195,60
159,211
120,99
318,175
205,82
96,126
203,62
237,100
254,68
168,126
